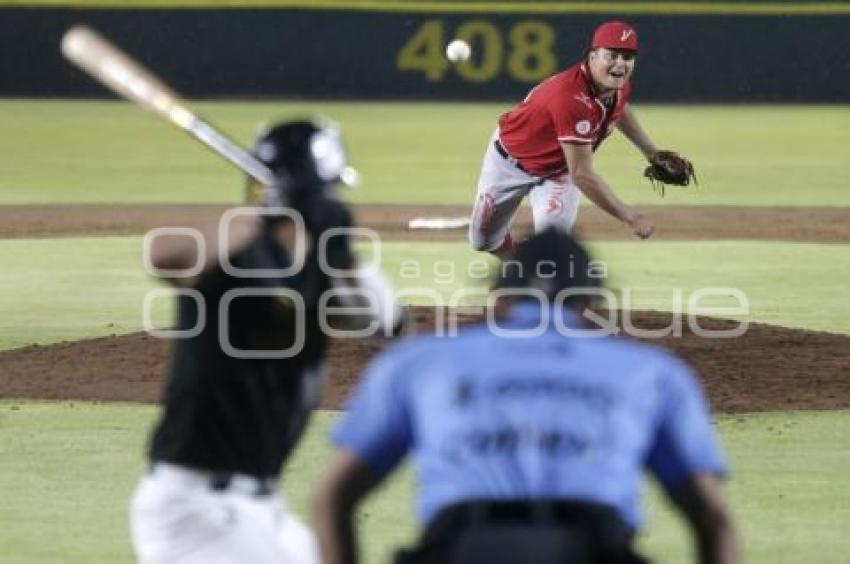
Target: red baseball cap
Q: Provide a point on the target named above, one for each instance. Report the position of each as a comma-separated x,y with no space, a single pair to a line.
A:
615,35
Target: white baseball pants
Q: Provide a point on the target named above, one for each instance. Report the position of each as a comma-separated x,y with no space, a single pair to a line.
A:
177,518
501,188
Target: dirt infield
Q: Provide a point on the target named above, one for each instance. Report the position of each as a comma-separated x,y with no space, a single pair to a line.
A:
814,224
769,368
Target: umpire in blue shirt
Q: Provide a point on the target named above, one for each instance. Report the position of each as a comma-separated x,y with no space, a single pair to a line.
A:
529,443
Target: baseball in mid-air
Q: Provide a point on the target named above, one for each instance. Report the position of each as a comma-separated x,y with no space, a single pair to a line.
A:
458,51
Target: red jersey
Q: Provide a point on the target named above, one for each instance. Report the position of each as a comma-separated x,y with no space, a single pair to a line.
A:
563,108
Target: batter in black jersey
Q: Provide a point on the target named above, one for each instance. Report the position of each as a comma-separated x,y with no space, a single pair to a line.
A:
234,414
241,384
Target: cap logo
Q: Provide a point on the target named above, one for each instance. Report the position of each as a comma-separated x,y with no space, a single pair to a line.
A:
583,127
626,34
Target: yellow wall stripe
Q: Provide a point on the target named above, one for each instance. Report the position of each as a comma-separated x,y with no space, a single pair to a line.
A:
472,7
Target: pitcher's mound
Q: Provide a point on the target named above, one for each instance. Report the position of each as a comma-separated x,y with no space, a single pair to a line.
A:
768,368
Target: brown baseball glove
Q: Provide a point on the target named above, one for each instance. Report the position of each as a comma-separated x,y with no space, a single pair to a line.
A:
669,167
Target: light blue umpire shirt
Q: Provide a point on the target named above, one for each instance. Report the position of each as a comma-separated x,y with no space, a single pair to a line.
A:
545,417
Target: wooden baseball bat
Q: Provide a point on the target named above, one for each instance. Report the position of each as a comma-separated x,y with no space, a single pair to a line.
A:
119,72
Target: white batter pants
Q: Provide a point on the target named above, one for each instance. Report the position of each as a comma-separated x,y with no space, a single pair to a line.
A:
501,188
177,518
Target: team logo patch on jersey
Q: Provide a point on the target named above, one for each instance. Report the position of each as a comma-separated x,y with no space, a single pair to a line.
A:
583,127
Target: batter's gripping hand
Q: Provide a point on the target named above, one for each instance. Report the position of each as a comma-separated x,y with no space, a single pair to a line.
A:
669,167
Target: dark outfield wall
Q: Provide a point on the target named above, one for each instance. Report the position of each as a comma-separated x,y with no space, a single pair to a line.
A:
338,54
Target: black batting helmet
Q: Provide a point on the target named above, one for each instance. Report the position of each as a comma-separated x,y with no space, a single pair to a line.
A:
303,152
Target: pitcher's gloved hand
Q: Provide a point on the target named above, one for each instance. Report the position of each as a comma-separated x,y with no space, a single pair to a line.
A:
669,167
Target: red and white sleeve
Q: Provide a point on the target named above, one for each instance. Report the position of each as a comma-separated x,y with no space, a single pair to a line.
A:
575,122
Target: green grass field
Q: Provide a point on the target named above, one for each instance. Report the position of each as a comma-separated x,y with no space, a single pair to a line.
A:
67,468
94,287
67,471
412,153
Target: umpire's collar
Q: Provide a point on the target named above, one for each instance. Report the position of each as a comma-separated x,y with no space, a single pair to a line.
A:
530,313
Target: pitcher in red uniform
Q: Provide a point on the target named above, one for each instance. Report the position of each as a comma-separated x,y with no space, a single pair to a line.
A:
544,147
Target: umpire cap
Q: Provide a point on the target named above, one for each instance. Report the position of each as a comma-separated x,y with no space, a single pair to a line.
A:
550,261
